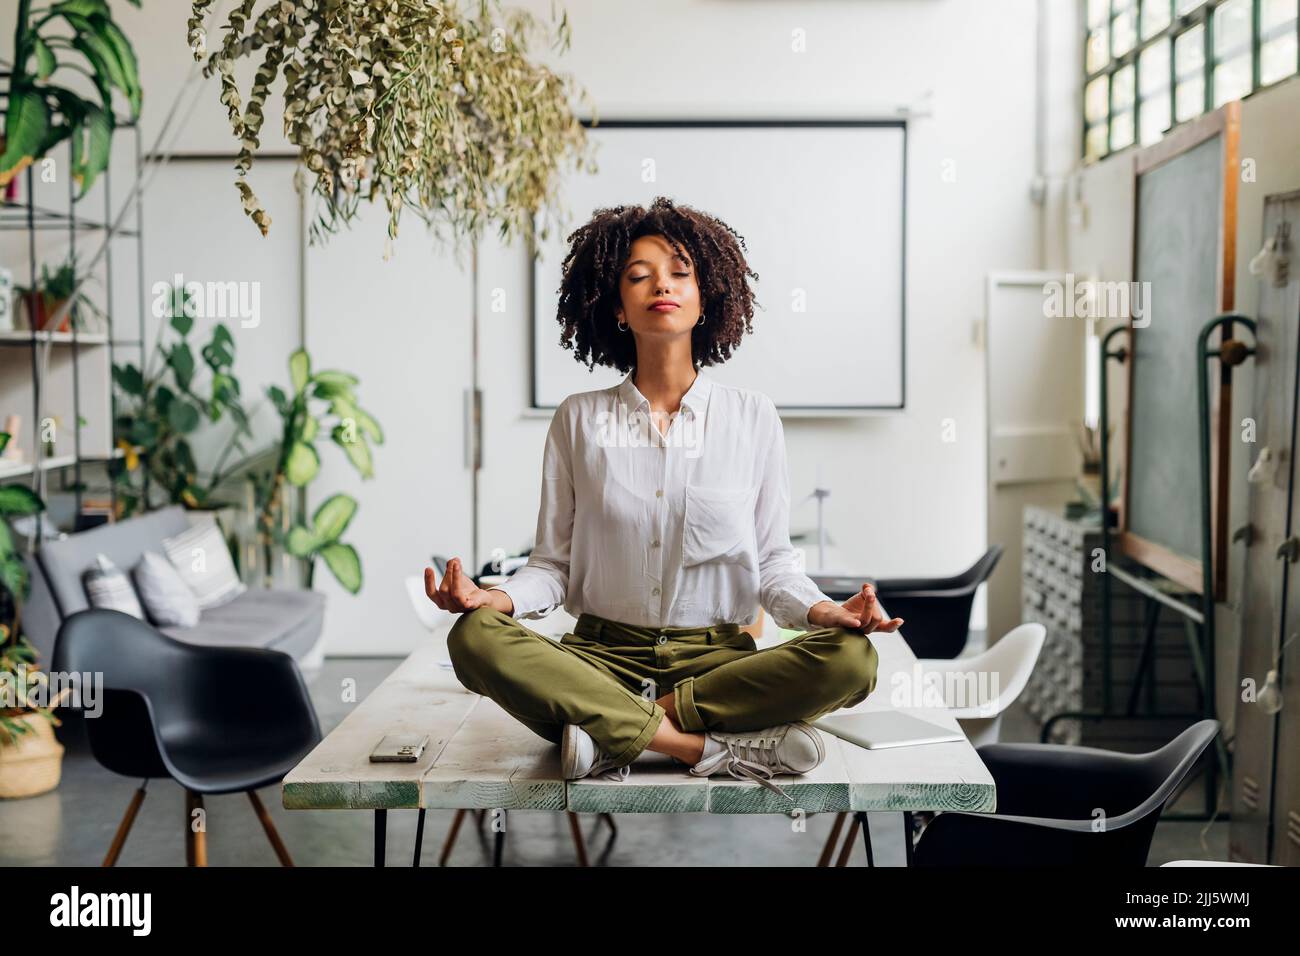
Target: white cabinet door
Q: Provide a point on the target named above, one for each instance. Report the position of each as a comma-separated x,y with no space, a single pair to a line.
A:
403,326
1035,376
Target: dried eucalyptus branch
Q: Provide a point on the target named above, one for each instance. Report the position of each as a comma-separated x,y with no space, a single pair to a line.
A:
411,102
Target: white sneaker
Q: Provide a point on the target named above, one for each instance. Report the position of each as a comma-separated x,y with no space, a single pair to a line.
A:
580,757
758,755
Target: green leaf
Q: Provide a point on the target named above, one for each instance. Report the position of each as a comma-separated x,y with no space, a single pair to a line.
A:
181,360
13,576
98,127
183,416
162,400
142,431
26,124
218,356
19,500
182,323
331,376
72,106
299,370
333,391
342,560
5,438
100,55
126,60
45,61
278,399
357,450
302,465
85,8
369,426
129,379
220,352
309,429
301,542
332,517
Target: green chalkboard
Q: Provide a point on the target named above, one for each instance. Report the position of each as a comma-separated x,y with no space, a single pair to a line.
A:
1183,195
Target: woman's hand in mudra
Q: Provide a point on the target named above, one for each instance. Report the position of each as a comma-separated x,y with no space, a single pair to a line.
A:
859,613
457,592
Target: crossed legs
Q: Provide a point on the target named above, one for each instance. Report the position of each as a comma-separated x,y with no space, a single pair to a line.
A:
546,684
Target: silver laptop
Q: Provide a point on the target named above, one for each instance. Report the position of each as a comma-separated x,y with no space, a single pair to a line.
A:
877,730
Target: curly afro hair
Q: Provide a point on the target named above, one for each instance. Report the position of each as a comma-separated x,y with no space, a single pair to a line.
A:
589,291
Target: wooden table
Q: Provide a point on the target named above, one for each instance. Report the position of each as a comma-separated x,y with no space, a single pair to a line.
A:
481,758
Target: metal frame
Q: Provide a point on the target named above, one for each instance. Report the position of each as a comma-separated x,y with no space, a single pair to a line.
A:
1201,643
28,216
794,123
1178,25
1225,123
498,840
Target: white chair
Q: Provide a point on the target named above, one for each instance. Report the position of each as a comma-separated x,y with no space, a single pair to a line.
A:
1210,863
428,613
976,690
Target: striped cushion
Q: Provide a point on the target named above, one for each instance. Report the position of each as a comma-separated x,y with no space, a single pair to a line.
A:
169,599
107,586
201,556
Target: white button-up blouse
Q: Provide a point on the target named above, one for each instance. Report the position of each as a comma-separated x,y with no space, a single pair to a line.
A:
688,528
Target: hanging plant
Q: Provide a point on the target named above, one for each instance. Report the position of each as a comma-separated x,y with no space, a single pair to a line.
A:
408,101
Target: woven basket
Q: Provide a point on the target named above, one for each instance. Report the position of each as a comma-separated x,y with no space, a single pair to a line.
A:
33,763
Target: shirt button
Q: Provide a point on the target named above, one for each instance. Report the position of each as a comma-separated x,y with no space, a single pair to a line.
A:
659,493
655,592
654,543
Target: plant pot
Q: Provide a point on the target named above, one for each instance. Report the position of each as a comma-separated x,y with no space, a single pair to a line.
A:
33,763
40,311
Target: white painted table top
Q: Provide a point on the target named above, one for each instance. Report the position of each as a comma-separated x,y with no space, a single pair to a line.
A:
479,757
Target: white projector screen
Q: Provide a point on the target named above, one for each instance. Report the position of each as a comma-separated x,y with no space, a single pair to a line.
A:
820,205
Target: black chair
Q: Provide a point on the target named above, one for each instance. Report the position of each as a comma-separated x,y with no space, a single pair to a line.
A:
215,719
1049,796
937,610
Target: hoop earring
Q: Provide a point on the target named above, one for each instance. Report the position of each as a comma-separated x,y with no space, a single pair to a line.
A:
701,322
622,327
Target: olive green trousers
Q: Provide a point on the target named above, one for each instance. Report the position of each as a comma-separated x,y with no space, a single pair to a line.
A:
606,676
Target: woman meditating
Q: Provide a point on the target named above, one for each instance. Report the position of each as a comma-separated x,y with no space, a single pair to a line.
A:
663,525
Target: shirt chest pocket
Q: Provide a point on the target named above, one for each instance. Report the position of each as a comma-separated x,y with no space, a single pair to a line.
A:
719,525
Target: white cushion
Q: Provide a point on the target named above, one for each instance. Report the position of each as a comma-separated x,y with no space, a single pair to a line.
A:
107,586
165,595
202,557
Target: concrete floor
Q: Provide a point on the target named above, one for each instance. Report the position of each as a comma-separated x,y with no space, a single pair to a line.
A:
73,825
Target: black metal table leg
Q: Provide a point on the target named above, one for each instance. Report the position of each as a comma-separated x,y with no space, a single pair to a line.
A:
381,835
907,836
419,838
499,841
866,836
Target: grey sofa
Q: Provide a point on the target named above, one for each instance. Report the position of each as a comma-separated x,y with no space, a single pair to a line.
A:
283,620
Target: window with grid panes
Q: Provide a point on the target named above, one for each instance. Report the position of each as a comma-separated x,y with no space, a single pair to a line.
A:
1152,64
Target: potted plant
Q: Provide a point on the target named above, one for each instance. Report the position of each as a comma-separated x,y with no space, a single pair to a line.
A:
77,36
319,403
51,292
163,404
31,758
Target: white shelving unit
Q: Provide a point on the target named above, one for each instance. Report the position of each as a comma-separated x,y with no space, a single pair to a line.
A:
60,383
